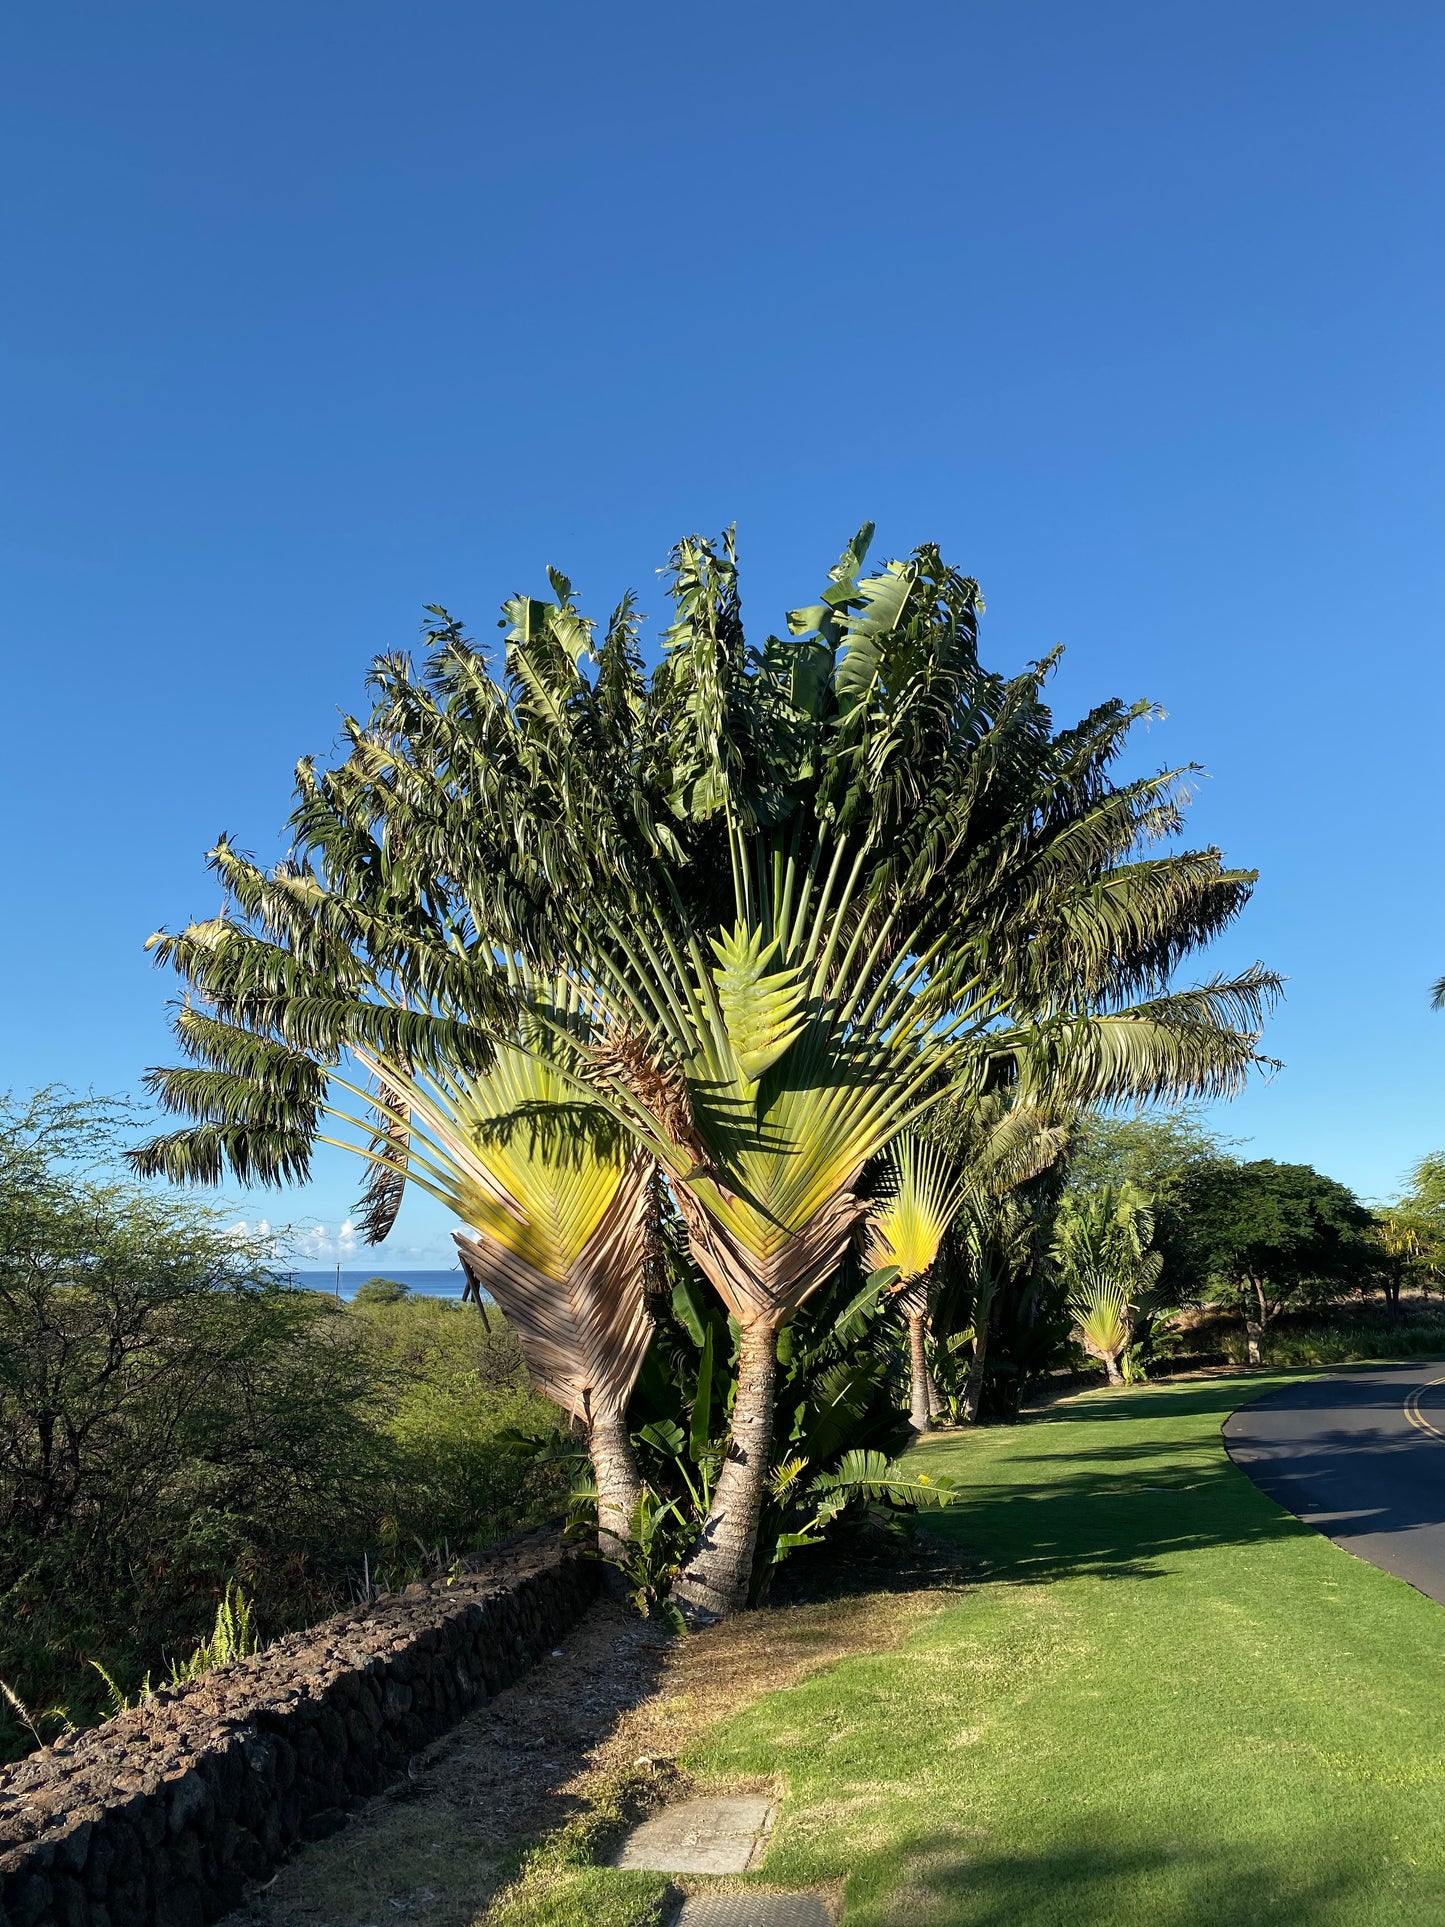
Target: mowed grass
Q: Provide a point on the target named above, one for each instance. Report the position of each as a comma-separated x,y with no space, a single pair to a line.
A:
1165,1702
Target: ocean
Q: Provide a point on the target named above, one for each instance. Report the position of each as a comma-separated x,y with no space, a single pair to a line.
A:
425,1284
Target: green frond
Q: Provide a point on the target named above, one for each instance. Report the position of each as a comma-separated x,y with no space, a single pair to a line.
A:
921,1192
1101,1308
872,1475
763,1010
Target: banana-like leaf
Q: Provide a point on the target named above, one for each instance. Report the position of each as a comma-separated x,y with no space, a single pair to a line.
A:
700,1430
875,1476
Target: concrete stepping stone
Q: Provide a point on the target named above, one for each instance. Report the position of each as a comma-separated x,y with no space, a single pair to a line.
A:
754,1910
715,1833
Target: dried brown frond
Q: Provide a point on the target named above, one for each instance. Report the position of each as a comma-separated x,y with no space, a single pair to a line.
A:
376,1208
911,1297
769,1289
627,1058
656,1276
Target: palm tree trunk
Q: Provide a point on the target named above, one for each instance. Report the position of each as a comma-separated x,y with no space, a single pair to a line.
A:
619,1486
922,1396
716,1579
973,1395
1254,1328
936,1406
1111,1368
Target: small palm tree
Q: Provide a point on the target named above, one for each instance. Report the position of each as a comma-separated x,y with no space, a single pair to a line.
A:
921,1193
1011,1146
1102,1249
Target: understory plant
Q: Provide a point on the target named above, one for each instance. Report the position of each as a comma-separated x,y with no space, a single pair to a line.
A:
233,1636
1102,1246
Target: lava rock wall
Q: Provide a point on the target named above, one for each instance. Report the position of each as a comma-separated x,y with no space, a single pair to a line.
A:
164,1815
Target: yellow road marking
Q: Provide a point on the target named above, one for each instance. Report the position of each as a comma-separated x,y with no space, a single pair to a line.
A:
1416,1417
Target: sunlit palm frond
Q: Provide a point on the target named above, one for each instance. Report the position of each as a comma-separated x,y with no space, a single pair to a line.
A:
1100,1305
920,1194
583,1334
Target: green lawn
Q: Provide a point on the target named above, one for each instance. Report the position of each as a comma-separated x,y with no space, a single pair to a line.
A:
1166,1702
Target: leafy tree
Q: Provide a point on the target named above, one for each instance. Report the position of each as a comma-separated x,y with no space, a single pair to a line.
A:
1276,1233
1426,1191
1159,1155
1410,1233
799,894
381,1291
126,1319
167,1411
172,1418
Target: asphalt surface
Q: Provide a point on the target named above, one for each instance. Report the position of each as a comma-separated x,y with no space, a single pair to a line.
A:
1360,1457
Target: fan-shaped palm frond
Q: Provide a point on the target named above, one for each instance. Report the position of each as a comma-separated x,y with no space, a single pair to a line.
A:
558,1205
920,1193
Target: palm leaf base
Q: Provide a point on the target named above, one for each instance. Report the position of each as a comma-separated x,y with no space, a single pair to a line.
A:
583,1336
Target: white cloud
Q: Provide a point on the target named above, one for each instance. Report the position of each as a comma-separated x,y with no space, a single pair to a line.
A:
243,1229
321,1246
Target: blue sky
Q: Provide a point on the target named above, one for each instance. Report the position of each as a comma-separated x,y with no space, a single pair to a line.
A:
318,313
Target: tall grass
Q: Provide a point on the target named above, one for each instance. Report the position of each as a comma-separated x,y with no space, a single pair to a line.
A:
1349,1344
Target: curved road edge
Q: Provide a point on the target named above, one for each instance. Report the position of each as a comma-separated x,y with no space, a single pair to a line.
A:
1360,1456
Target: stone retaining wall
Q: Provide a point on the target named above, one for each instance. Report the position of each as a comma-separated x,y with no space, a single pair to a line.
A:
165,1814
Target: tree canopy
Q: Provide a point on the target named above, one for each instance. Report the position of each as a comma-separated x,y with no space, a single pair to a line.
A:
1277,1232
765,908
1283,1224
1160,1155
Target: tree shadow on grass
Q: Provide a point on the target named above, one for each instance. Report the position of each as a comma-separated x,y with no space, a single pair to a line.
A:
1117,1510
1123,1454
1220,1395
1189,1883
1099,1521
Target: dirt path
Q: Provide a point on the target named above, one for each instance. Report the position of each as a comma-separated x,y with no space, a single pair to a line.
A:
594,1730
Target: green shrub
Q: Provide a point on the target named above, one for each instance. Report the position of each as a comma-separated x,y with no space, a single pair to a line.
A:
381,1291
443,1391
174,1421
1344,1344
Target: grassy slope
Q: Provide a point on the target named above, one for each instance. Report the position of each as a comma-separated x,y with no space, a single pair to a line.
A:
1167,1702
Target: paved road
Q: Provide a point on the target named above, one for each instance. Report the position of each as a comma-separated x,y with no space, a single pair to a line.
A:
1361,1457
